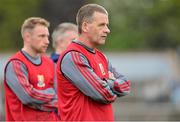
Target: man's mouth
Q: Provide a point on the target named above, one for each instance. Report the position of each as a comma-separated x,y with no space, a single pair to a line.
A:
45,47
103,36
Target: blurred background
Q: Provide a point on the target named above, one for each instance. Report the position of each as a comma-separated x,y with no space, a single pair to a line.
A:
144,45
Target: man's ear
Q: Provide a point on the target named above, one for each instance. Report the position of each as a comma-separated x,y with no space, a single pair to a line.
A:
26,36
85,27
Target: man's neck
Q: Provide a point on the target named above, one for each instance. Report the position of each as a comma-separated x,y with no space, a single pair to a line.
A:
30,52
85,40
59,50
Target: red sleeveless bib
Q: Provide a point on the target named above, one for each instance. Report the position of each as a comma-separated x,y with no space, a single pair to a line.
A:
73,104
41,77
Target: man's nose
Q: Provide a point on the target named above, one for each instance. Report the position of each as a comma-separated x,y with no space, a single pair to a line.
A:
47,40
107,30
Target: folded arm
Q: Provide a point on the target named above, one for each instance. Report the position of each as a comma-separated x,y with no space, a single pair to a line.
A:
17,80
118,82
75,67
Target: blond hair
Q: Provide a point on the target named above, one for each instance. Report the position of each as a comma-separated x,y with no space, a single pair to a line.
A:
31,22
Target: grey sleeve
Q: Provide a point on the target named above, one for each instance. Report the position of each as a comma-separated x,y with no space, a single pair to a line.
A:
117,75
76,68
120,84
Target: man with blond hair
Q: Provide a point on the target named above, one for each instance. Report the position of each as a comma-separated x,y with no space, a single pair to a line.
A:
29,77
62,36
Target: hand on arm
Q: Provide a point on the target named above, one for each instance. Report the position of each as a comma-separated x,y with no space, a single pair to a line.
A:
75,67
118,83
50,106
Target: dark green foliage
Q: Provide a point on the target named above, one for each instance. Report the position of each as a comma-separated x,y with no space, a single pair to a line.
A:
143,24
134,24
12,15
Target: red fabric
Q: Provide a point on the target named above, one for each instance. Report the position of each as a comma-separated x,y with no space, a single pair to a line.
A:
91,78
15,110
72,103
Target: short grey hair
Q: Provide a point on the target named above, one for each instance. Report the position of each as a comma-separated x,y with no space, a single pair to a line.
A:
60,31
85,13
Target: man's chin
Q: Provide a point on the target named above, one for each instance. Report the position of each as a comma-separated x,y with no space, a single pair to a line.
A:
42,51
102,42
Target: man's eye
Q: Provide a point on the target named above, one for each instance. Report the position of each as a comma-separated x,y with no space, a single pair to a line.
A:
101,25
42,35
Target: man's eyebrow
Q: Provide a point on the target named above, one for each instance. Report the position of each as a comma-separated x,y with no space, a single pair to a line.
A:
104,24
42,34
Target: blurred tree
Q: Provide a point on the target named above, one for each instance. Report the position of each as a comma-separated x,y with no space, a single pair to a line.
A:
142,24
12,15
134,24
58,11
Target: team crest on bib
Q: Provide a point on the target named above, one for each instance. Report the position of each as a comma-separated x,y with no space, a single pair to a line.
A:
40,81
102,69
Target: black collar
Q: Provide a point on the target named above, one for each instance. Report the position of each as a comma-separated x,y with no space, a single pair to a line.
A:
36,61
86,47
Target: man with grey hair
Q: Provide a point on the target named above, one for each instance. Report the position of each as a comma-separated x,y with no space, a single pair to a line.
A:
87,82
62,36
